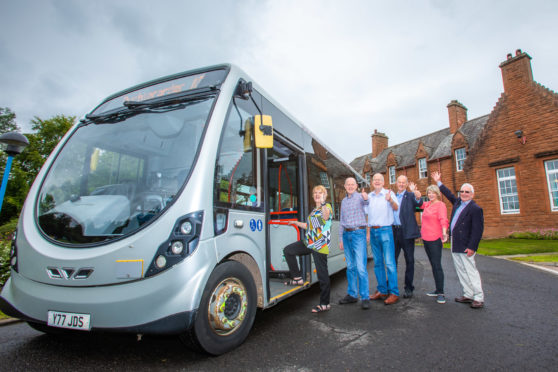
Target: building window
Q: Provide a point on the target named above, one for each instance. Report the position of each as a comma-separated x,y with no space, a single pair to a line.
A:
324,180
422,168
507,186
551,168
460,156
367,176
392,174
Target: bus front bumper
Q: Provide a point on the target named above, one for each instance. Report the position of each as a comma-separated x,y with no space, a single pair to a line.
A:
173,324
163,304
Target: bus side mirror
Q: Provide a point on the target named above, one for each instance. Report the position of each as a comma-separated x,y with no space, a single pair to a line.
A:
263,131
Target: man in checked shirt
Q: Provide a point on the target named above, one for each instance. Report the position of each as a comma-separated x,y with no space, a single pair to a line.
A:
352,240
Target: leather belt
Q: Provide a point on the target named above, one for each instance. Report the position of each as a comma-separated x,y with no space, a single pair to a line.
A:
375,227
356,228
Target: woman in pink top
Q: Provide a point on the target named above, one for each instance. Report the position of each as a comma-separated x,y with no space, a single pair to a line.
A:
434,232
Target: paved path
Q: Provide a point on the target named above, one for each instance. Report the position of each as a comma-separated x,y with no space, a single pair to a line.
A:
517,331
551,267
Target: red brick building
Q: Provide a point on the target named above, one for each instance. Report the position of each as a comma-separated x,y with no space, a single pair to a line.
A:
510,156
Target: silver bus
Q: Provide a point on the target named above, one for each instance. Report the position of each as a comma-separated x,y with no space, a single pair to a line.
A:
165,209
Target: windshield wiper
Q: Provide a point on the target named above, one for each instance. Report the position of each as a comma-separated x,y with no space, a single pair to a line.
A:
135,104
161,104
192,95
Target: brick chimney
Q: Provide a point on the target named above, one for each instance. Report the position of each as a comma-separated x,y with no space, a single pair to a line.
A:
457,115
379,143
516,72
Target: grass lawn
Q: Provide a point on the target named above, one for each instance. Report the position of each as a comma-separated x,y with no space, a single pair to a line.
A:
542,258
501,247
3,316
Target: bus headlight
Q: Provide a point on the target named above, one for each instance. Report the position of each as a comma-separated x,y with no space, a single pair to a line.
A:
161,261
182,241
177,247
186,228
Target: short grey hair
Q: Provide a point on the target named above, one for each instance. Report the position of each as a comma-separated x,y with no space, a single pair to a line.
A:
404,176
350,178
470,186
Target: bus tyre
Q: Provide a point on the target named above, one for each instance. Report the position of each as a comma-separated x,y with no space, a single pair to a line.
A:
227,310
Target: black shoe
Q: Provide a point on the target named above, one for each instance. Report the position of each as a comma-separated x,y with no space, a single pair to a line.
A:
348,299
365,304
408,293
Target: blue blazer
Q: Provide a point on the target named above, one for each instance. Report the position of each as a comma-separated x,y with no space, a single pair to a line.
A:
469,227
407,211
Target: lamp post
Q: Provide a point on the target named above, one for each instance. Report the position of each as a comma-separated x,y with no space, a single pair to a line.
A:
15,142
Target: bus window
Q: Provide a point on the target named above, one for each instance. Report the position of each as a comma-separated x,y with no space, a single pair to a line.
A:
283,182
317,175
236,172
113,171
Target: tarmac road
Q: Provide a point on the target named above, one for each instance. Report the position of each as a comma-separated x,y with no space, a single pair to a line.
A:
517,330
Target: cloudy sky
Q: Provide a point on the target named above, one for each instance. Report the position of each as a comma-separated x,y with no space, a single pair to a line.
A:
342,67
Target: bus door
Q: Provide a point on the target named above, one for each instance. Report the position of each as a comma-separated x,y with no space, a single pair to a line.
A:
284,192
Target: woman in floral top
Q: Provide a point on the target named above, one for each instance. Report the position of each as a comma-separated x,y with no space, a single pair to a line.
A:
316,242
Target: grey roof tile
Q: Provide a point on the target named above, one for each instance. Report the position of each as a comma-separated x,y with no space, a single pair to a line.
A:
436,144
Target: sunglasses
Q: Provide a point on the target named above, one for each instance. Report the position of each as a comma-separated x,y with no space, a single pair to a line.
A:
465,191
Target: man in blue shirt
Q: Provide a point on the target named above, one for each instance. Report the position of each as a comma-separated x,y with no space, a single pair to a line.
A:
380,209
466,228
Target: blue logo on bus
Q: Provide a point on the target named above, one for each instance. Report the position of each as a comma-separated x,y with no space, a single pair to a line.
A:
260,225
253,224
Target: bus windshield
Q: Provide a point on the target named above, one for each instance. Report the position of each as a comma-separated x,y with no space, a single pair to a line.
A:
116,174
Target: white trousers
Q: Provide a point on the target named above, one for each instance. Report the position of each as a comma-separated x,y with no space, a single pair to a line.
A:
468,276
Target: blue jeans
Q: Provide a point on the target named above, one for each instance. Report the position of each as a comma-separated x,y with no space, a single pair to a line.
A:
354,247
383,250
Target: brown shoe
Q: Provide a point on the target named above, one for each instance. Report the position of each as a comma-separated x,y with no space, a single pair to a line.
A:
477,304
391,299
378,296
464,300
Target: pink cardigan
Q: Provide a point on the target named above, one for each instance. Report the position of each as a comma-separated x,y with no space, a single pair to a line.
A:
434,218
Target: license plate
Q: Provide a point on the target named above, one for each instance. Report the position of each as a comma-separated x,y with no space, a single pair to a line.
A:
69,320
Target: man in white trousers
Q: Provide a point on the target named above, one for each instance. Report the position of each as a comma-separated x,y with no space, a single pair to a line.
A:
466,228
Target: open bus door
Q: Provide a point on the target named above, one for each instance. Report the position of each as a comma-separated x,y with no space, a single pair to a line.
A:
285,203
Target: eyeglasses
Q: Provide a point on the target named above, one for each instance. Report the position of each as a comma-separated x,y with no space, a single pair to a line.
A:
465,191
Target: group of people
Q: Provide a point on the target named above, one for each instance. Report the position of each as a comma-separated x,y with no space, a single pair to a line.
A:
387,221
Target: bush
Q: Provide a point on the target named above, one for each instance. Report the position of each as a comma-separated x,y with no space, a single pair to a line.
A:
6,232
5,246
540,234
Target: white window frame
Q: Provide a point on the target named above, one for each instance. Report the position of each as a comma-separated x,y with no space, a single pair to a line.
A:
460,156
367,177
554,175
422,168
391,171
510,183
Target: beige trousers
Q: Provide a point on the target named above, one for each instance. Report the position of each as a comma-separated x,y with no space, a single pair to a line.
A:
468,276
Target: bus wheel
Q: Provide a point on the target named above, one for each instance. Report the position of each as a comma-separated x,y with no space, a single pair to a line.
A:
227,310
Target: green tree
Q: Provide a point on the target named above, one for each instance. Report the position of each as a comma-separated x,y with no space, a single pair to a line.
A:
46,135
7,121
7,124
26,166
